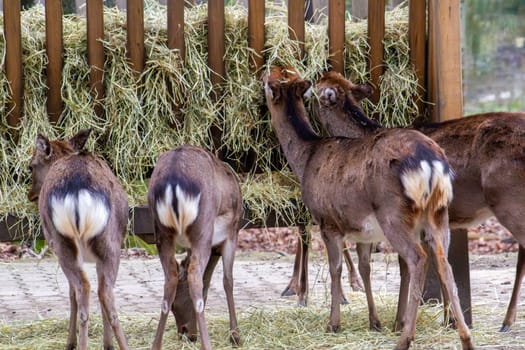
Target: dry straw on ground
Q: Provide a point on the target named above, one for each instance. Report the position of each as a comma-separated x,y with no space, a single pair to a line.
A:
170,102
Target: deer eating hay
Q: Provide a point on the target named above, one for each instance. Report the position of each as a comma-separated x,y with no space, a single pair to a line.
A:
390,185
84,214
487,153
196,203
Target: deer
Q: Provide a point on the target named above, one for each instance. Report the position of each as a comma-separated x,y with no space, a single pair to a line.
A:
367,189
486,151
84,213
195,201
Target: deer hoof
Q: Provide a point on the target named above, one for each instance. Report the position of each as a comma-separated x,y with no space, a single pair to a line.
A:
505,328
403,344
375,326
466,344
288,292
110,347
71,347
333,328
343,301
235,339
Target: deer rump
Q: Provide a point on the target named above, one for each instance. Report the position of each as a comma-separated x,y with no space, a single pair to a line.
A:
78,210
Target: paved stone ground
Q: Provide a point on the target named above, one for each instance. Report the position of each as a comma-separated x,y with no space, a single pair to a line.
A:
33,289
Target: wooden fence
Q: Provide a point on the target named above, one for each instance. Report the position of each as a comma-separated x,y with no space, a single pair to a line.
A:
433,36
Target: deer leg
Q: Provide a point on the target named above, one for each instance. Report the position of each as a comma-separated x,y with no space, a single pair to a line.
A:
78,280
297,285
333,242
166,249
448,286
228,255
72,332
404,287
107,274
198,261
364,250
355,282
510,316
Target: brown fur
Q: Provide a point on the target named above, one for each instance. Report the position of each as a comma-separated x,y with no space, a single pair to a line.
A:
61,168
348,200
198,174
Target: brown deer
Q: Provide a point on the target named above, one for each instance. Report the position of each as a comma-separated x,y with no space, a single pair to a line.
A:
84,214
196,203
390,185
487,152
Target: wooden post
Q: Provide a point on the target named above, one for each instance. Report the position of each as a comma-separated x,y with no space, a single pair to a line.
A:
296,23
54,49
216,47
176,27
256,33
336,35
417,26
13,63
95,33
446,48
135,31
376,33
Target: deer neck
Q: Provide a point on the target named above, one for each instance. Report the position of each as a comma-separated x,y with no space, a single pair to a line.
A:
295,134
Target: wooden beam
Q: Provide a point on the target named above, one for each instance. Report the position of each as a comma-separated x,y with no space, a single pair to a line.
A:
216,46
95,33
296,23
336,35
256,11
176,27
376,34
417,38
135,32
446,59
13,63
54,47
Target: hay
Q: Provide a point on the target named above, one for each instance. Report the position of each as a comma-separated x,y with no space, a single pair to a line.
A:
283,328
170,103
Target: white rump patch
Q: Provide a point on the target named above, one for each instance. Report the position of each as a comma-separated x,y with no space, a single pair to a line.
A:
187,207
93,215
416,183
442,180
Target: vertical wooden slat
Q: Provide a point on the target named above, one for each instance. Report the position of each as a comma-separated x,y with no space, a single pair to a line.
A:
256,33
376,33
216,47
135,31
431,66
54,49
336,35
447,59
176,27
417,40
296,22
13,62
95,33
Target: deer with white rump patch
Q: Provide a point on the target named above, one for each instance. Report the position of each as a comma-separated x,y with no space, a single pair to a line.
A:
486,151
390,185
84,214
196,203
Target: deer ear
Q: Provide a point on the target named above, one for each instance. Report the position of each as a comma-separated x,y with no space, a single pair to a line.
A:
42,145
273,90
304,88
78,141
362,91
